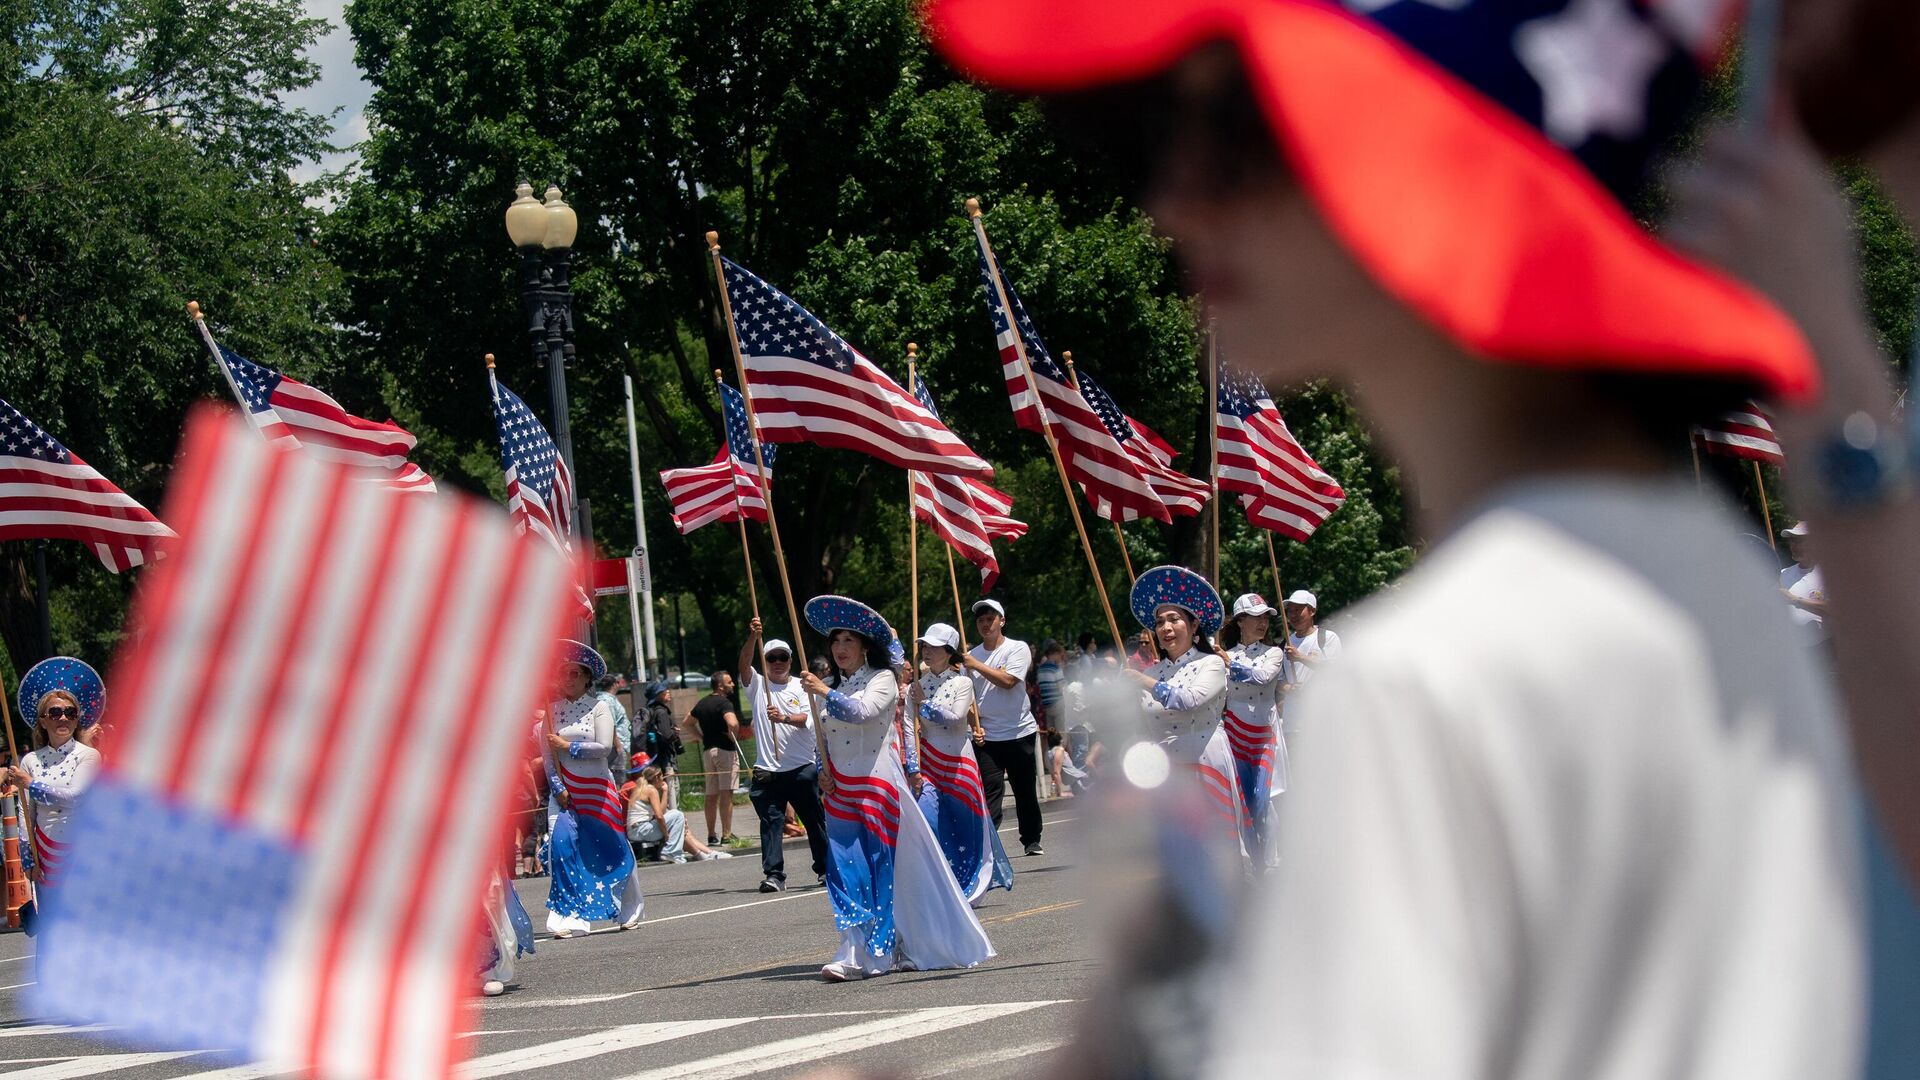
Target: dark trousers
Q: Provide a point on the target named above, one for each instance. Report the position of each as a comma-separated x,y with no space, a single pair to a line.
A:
1011,763
771,792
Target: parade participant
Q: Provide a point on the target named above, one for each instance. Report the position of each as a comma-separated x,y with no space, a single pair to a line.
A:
594,876
506,934
1803,587
999,666
785,767
1255,672
1428,205
953,800
895,901
1186,689
59,698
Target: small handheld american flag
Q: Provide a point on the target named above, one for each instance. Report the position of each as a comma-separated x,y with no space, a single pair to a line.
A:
276,861
539,485
962,511
1281,487
1744,433
726,489
47,492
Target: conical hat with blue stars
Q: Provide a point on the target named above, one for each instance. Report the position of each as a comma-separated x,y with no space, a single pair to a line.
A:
76,677
829,613
1180,587
577,652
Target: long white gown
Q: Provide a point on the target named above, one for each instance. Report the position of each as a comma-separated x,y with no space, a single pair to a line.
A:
1186,716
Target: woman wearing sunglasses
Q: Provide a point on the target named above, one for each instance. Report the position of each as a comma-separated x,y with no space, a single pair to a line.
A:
60,697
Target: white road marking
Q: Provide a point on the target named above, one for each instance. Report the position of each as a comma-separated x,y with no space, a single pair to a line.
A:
49,1029
590,999
995,1057
798,1051
17,986
238,1072
606,1041
99,1063
11,959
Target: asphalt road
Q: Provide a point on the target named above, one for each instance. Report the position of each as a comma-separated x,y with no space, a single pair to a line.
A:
720,981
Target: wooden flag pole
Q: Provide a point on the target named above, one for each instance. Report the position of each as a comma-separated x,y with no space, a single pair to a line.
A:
760,467
1213,443
1046,429
1119,534
753,604
913,526
1273,560
1766,512
960,625
1693,447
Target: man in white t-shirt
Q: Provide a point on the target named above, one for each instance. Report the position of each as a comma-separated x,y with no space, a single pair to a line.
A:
1803,587
786,767
999,667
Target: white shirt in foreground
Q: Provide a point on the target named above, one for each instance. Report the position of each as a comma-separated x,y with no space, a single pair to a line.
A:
1005,713
782,747
1607,834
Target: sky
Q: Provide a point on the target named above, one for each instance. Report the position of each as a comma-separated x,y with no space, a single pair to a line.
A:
340,87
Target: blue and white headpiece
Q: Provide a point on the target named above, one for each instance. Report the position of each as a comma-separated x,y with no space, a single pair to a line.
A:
829,613
1180,587
575,652
76,677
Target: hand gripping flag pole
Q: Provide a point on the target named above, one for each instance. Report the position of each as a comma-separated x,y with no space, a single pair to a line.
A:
1119,534
760,467
1046,429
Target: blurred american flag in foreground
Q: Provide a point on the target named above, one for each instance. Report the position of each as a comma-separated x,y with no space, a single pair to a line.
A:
276,861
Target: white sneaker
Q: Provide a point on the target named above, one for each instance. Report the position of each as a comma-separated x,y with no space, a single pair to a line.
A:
634,925
842,972
493,988
716,855
679,858
559,934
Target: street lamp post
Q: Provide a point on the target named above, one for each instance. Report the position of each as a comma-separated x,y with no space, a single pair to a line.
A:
544,232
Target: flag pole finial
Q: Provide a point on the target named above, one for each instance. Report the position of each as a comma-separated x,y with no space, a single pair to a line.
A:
973,208
193,309
713,240
913,351
489,361
716,376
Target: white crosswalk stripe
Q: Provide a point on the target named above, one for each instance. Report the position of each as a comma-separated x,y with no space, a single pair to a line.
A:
95,1064
624,1037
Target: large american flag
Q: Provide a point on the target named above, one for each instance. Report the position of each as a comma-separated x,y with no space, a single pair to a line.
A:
963,511
539,487
292,415
273,861
1743,433
808,385
1281,487
726,489
1182,495
47,492
1088,449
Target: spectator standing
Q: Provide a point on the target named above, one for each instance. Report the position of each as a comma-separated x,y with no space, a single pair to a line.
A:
999,667
719,731
786,764
608,687
661,739
1051,676
1086,659
1802,584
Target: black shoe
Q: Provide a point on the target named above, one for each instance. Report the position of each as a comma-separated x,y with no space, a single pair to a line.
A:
712,840
773,885
1035,848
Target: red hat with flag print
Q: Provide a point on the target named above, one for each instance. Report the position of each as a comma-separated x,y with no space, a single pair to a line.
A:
1476,156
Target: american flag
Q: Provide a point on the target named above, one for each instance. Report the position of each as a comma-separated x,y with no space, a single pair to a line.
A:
262,867
964,512
1280,485
539,487
1092,455
1743,433
810,386
47,492
1182,495
292,415
726,489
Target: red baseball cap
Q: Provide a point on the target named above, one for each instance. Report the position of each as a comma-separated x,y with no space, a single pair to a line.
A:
1474,158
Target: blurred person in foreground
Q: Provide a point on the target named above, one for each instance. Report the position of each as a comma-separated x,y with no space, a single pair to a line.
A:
1761,202
1426,203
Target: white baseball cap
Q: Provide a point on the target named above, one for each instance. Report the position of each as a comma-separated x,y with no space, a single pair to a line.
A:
1799,528
1253,604
943,635
1304,599
775,645
990,605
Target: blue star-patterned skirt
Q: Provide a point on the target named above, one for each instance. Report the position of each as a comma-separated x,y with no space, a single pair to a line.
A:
589,862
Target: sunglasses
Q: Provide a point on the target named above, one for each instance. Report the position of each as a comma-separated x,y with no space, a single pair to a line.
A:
779,657
62,712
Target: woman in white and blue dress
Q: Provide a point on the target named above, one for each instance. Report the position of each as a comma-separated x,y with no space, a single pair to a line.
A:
591,863
1256,669
895,901
1185,691
953,799
60,697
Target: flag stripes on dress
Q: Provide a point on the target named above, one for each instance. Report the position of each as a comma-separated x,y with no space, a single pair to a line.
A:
726,489
808,385
962,511
1281,487
539,486
294,415
48,493
1182,495
1744,433
270,863
1088,449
